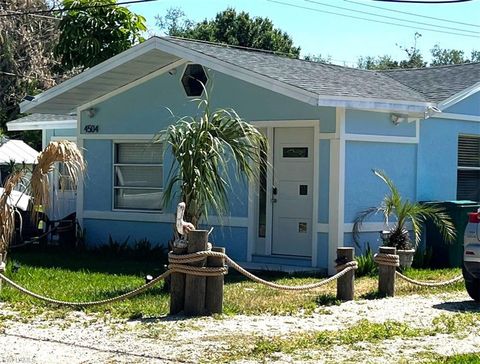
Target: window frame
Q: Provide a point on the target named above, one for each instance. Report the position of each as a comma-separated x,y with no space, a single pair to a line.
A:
183,73
115,164
465,168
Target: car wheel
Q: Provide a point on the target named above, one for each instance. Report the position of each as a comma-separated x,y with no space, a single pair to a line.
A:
472,285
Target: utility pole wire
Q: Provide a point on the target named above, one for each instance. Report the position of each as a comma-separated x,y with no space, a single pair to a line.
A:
389,17
370,20
412,14
78,8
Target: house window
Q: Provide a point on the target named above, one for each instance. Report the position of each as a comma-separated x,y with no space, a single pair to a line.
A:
194,80
138,176
468,174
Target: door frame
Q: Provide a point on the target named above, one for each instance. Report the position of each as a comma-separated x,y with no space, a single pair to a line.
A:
52,185
253,188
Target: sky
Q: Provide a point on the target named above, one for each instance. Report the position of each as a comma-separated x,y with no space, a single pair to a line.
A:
345,39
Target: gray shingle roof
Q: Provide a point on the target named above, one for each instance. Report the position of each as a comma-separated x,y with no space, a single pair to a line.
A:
319,78
43,117
438,83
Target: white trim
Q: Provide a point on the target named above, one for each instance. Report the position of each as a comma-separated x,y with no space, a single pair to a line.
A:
122,137
369,103
462,95
44,138
237,72
337,189
91,73
284,123
161,217
42,125
252,198
218,65
323,228
453,116
81,179
315,194
381,138
368,227
326,136
268,197
133,84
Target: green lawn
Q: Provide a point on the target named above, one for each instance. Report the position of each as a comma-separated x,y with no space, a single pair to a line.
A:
85,277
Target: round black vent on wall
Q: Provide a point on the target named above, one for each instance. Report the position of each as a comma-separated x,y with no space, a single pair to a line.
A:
194,79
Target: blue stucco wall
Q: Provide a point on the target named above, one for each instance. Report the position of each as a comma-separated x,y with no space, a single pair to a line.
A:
469,106
437,157
376,123
147,108
362,188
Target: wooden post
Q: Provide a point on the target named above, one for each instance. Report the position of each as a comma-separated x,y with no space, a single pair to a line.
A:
177,284
386,274
345,284
195,286
214,293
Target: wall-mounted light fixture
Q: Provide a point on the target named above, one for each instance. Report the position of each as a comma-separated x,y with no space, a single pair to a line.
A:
431,110
172,72
398,118
91,112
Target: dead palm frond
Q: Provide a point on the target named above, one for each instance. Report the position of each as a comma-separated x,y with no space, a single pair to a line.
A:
7,211
62,151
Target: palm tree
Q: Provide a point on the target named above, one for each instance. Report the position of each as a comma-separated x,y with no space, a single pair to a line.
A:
204,148
404,211
38,186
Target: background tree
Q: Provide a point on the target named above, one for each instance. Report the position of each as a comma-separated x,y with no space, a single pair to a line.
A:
230,27
26,59
92,31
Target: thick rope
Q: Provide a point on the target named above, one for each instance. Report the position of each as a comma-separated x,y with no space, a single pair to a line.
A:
391,260
349,267
130,294
177,265
429,284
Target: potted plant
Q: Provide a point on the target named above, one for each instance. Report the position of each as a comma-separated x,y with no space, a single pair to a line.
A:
402,212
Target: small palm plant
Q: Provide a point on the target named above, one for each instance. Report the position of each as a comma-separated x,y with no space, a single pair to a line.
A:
403,211
38,186
204,148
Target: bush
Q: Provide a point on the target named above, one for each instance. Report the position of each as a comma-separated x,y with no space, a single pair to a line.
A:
366,264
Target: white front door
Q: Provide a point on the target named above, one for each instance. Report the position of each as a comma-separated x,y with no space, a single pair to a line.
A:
292,191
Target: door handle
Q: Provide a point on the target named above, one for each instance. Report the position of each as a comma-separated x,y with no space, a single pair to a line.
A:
274,190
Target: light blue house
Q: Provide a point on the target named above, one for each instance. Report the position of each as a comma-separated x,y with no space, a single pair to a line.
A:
327,126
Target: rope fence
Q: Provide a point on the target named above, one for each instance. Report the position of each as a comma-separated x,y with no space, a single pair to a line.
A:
177,264
387,260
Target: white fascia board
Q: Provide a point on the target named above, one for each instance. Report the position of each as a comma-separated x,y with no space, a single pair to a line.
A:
384,105
42,125
451,116
89,74
238,72
462,95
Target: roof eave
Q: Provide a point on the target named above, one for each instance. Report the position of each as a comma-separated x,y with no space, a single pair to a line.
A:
410,107
42,125
459,96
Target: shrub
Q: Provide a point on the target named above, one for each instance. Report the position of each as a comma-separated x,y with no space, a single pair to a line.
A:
366,264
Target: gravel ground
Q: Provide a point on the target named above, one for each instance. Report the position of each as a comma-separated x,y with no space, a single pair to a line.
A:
82,338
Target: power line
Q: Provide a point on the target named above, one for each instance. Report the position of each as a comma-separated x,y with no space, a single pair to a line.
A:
412,14
371,20
388,17
46,11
